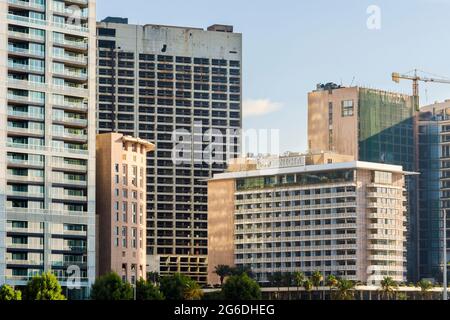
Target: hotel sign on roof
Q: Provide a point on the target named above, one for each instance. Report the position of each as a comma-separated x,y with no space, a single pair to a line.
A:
281,162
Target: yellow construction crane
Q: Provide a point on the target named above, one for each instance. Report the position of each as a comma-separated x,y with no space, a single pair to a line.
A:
396,77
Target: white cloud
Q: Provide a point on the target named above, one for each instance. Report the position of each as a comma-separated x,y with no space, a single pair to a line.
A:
259,107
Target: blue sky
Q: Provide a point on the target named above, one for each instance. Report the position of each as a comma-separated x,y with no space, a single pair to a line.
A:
291,45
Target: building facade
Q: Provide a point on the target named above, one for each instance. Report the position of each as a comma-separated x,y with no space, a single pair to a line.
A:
373,126
346,219
121,205
434,167
160,83
47,134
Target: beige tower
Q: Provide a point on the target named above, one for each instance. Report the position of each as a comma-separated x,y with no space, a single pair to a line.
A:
121,205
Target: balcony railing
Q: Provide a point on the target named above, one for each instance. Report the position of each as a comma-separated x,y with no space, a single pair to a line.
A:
12,96
26,162
30,131
38,53
71,58
22,114
26,36
31,5
27,20
76,44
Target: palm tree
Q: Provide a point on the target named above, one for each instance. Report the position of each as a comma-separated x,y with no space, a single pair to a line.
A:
276,280
388,287
424,286
287,281
299,278
346,290
332,282
317,279
308,285
193,291
222,271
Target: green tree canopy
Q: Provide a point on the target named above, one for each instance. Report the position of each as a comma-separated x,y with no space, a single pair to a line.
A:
111,287
223,271
241,287
44,287
7,293
179,287
147,291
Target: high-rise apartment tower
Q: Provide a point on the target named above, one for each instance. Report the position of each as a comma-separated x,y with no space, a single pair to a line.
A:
160,83
47,134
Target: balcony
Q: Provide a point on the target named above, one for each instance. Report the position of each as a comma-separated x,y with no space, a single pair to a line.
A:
24,262
29,246
13,177
25,36
73,59
77,75
25,131
68,197
21,162
71,121
26,146
25,115
76,106
66,181
25,67
27,5
68,166
25,99
26,51
68,11
70,136
24,194
27,20
72,44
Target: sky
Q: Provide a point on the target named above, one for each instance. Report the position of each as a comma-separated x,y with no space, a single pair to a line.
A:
289,46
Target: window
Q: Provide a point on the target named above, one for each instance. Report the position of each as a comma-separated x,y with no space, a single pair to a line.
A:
347,108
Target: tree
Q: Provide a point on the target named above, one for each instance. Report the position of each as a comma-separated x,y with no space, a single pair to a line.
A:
287,282
238,271
308,285
425,286
154,277
299,278
388,287
332,282
276,280
179,287
241,287
193,291
44,287
7,293
147,291
223,271
317,279
111,287
345,290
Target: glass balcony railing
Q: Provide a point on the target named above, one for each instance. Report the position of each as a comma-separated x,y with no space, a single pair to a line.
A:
27,51
25,67
72,43
26,114
31,4
25,194
66,196
27,178
71,73
71,105
71,12
26,36
17,97
69,135
64,180
26,162
27,19
31,131
71,58
70,120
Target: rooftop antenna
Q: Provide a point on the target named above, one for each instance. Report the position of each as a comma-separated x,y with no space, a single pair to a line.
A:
353,80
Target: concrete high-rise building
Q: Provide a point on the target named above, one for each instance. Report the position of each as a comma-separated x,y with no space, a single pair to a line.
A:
309,214
373,126
434,186
155,82
121,205
47,134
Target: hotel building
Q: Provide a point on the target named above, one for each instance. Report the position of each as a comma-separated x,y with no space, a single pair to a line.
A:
156,81
47,134
372,126
121,205
312,214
